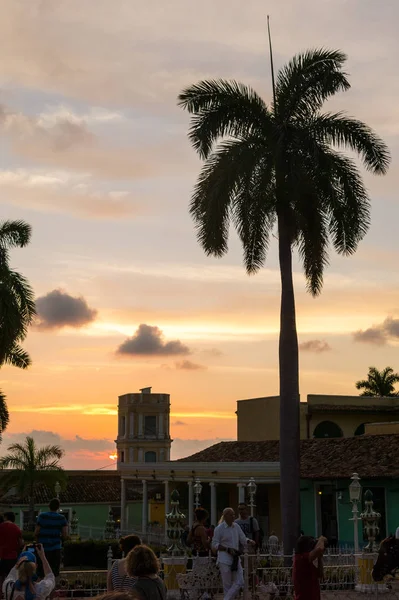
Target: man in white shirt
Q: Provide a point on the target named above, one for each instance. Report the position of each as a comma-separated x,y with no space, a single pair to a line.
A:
227,539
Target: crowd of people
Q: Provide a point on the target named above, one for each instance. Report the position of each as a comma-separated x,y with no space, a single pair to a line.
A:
29,572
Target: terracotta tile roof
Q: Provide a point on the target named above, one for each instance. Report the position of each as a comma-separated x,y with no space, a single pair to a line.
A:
375,408
90,487
371,456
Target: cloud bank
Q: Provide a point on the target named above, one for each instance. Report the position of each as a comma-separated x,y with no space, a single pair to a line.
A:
59,309
379,335
149,341
316,346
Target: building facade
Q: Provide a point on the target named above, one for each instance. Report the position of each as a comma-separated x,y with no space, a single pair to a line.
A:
321,416
143,428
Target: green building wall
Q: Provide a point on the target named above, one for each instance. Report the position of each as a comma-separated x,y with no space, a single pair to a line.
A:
344,508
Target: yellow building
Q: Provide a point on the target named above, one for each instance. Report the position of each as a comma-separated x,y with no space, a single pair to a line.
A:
321,416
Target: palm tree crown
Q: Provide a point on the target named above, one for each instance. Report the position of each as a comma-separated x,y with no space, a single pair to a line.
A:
379,383
281,160
281,166
29,466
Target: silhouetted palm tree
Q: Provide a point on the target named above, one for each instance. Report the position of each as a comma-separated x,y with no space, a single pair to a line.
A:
29,466
279,166
17,305
379,383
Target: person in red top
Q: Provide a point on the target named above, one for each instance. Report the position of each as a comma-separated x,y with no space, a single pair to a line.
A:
10,543
306,575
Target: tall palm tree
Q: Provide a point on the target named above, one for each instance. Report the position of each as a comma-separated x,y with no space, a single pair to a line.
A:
31,465
379,383
279,166
17,305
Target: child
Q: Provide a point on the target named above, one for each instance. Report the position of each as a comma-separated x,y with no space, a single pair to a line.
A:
306,574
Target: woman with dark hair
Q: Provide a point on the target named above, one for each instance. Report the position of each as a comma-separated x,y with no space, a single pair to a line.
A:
306,575
118,580
198,537
142,564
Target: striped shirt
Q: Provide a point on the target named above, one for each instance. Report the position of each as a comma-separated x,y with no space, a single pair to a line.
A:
121,583
51,525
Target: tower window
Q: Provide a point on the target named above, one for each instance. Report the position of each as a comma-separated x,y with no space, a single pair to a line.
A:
122,456
123,426
150,456
150,425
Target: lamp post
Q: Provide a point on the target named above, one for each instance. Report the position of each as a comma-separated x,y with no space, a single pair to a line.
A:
251,491
197,487
355,491
57,489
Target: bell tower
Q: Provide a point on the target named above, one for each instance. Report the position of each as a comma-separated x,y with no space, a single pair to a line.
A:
143,428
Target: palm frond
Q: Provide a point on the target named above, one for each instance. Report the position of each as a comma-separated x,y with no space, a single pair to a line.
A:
341,130
17,357
218,183
4,414
222,108
254,214
15,234
307,81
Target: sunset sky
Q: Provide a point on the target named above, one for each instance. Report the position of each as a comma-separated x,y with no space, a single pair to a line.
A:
96,158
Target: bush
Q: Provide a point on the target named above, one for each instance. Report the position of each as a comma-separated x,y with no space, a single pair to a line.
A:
89,553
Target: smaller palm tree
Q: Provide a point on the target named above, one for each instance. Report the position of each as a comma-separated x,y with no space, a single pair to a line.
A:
379,383
30,466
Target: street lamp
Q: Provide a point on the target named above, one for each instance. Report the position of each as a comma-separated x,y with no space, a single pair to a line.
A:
57,489
252,491
355,492
197,492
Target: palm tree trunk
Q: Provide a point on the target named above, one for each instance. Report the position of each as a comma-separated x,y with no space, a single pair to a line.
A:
289,398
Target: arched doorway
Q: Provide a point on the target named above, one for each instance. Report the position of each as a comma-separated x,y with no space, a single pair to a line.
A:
361,429
327,429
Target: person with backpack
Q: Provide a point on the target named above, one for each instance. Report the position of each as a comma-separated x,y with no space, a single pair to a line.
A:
249,525
22,583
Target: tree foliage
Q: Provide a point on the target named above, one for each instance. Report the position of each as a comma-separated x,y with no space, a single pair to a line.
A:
379,383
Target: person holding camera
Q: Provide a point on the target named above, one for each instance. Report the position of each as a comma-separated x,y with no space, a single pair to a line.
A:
228,540
308,567
22,583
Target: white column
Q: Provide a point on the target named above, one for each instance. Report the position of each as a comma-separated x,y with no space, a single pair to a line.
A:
241,492
131,424
141,455
214,514
123,504
131,455
144,507
190,503
166,484
141,424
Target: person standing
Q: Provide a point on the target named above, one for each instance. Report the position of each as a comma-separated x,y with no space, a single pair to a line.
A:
306,575
10,543
51,529
248,524
228,540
